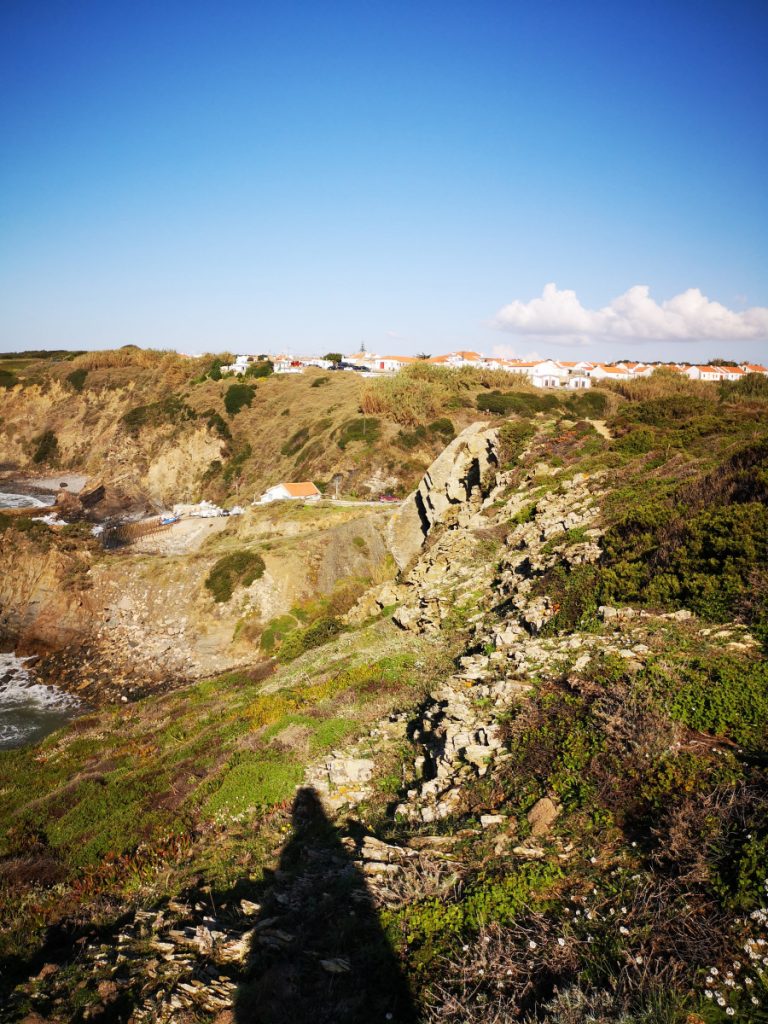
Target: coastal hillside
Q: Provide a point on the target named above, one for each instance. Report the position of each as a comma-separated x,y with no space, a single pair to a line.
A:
161,428
500,754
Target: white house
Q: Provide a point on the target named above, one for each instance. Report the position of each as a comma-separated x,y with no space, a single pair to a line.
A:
391,364
709,373
304,491
240,365
600,371
287,364
754,368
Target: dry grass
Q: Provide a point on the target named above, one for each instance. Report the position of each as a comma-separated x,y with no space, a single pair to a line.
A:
421,392
661,384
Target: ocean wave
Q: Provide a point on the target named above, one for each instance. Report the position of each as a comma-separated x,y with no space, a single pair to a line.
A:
8,500
29,710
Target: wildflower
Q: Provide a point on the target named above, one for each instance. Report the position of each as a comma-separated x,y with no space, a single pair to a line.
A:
531,944
755,1001
708,993
638,959
593,860
623,930
714,970
465,948
710,980
487,939
730,1011
561,942
623,910
749,982
509,970
720,1001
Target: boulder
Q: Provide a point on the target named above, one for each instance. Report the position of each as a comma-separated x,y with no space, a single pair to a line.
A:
464,473
542,816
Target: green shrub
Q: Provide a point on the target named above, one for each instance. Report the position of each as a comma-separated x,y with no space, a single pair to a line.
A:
513,437
8,379
320,382
262,368
720,695
443,427
523,403
76,379
216,422
240,568
366,429
236,463
588,404
237,396
167,411
314,635
296,442
46,448
253,781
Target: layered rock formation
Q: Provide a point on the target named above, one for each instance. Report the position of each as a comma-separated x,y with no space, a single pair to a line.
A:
459,478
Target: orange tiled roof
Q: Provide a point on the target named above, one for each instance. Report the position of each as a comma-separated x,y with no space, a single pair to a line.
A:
305,489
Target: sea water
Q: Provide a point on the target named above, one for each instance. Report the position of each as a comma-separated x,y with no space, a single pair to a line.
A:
29,710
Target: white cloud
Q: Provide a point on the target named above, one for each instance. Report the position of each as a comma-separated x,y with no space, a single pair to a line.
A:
508,352
633,316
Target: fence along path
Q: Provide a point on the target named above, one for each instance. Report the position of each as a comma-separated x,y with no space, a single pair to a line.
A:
126,533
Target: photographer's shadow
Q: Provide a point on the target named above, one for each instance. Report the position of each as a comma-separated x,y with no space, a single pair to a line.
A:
319,953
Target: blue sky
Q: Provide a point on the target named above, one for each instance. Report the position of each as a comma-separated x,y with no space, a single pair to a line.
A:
243,176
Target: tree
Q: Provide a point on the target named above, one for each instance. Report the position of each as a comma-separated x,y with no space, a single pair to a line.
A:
334,357
215,371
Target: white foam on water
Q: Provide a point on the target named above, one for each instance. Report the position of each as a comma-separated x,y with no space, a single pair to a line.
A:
8,500
29,710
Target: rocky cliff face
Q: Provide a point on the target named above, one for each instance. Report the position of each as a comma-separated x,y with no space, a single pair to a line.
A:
457,481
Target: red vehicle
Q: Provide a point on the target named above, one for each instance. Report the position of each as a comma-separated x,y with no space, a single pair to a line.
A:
388,497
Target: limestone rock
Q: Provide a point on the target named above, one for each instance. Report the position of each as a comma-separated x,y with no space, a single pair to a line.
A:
542,816
463,473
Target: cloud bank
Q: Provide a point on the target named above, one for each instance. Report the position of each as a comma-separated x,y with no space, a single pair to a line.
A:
633,316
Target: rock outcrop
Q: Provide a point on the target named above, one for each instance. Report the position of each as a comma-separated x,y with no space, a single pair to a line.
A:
461,476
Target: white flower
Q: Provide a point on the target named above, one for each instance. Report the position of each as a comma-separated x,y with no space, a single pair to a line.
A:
623,930
755,1001
710,980
708,993
714,970
730,1011
638,959
720,1001
531,944
561,942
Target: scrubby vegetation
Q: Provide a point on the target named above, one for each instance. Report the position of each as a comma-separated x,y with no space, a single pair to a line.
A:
237,396
46,450
237,569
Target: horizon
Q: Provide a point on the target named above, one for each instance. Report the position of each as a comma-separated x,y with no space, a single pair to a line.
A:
520,181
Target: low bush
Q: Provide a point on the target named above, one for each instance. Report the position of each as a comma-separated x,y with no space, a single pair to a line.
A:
76,379
314,635
240,568
320,382
237,396
8,379
262,368
296,442
46,448
366,429
522,403
170,410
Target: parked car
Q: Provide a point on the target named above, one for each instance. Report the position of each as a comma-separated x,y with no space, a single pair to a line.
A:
388,497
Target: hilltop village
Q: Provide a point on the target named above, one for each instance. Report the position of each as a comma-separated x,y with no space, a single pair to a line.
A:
543,373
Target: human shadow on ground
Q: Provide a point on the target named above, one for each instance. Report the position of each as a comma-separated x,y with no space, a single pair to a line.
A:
319,953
